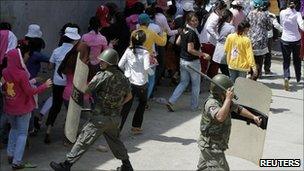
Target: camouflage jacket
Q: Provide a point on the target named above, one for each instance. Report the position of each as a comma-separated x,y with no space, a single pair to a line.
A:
110,87
214,134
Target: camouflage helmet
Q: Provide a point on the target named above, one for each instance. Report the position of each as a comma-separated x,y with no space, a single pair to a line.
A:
222,80
109,56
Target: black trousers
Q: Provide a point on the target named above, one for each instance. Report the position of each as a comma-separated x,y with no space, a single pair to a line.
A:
56,106
267,61
287,49
259,64
142,93
160,68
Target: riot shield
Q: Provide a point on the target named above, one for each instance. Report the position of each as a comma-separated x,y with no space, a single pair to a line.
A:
76,100
246,139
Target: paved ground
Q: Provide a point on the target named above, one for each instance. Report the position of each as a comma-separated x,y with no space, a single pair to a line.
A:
169,139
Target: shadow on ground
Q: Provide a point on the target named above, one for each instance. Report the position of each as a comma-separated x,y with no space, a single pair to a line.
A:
278,110
157,121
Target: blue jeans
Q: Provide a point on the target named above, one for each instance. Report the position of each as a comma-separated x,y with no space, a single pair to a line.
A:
17,136
151,82
187,75
235,73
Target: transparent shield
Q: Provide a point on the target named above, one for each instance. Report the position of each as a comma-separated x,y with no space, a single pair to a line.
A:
246,139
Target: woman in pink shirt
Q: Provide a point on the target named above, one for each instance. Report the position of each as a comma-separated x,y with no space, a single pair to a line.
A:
237,11
97,44
19,102
67,68
132,18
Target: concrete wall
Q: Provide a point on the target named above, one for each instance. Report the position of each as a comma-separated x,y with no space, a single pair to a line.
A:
50,15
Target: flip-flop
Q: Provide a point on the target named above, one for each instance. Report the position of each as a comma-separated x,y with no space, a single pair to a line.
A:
29,165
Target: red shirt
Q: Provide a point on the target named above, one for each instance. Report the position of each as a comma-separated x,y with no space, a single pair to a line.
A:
18,93
130,3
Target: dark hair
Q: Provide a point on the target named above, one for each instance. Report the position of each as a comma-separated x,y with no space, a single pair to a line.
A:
94,24
242,26
24,47
220,5
294,4
68,64
62,30
159,10
189,16
238,7
291,4
137,39
113,8
227,15
138,8
151,12
171,10
36,44
200,2
64,39
5,26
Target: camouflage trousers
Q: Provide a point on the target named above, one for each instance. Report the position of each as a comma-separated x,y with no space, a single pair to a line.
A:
212,159
108,126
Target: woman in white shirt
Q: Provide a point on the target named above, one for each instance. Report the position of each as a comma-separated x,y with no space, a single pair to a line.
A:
209,36
70,39
291,21
135,63
224,28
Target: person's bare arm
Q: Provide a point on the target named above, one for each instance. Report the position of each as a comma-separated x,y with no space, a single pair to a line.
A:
225,109
192,51
246,113
127,98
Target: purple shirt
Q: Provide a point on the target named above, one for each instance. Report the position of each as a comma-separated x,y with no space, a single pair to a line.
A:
238,16
33,64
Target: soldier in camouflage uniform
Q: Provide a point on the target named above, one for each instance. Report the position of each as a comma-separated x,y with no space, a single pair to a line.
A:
112,90
216,124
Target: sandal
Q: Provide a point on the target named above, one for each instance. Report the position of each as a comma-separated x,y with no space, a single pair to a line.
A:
23,166
136,130
147,107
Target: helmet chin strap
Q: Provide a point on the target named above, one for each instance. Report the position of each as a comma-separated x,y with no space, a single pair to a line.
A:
221,96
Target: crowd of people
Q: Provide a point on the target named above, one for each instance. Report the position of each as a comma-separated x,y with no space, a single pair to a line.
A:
153,40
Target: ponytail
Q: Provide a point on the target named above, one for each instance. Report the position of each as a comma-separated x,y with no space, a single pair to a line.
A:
242,26
137,39
227,15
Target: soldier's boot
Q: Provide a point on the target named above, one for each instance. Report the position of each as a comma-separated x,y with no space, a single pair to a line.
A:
126,166
63,166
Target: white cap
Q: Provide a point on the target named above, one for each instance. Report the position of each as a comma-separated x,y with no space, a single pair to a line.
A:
72,33
237,2
34,31
188,6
